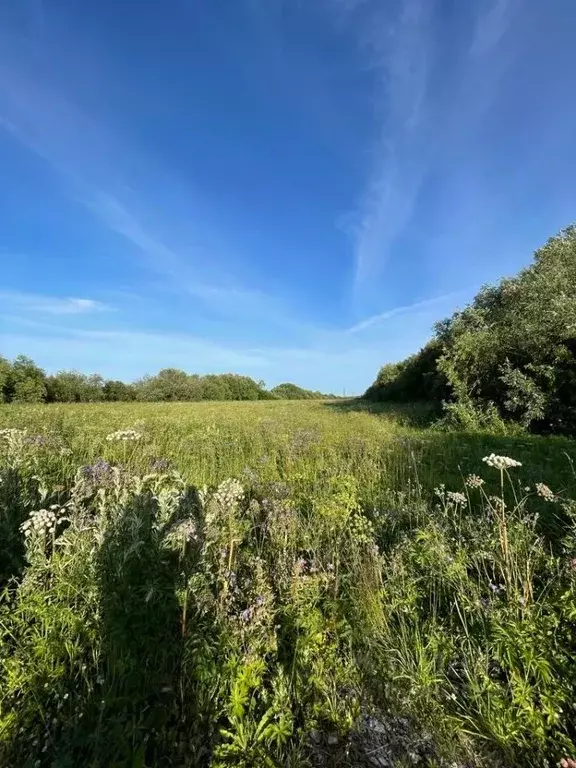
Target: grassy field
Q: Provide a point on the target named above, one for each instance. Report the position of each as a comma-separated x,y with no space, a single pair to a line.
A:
282,583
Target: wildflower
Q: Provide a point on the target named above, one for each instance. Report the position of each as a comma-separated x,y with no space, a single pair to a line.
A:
184,531
124,435
38,440
440,491
497,589
98,473
457,498
498,503
40,521
160,465
246,615
10,433
473,481
250,475
544,492
279,490
228,493
260,600
501,462
300,566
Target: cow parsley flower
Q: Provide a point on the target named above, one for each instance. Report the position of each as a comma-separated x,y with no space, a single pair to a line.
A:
501,462
457,498
545,492
41,521
473,481
123,435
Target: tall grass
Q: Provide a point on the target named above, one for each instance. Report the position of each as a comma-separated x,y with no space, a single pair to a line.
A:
284,583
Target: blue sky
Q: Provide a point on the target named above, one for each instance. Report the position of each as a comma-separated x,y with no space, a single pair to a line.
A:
294,190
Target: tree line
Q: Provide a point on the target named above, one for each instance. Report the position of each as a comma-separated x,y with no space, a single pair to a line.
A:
509,356
22,381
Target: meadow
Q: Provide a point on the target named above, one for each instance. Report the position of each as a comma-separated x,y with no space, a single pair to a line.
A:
282,583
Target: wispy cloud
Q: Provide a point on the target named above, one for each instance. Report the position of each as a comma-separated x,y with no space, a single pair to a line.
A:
405,49
491,26
447,298
50,305
129,354
99,168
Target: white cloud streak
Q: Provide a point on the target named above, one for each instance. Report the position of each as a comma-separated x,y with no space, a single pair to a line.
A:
404,49
97,167
50,305
404,310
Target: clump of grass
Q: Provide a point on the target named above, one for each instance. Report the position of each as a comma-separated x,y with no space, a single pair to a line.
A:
158,609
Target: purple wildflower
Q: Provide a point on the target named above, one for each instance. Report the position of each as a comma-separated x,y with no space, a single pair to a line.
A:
160,465
38,440
98,473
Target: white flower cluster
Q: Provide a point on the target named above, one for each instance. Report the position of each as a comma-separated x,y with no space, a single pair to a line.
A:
457,498
10,433
501,462
228,493
183,532
41,521
545,492
123,435
473,481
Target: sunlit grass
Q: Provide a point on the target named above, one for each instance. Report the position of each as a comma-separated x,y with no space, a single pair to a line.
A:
247,583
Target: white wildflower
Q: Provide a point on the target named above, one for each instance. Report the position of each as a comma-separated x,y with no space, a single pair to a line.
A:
457,498
41,521
440,491
124,435
184,531
497,503
473,481
545,492
10,434
501,462
228,493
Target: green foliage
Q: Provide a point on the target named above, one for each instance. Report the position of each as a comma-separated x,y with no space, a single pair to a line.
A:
5,379
74,387
27,382
411,380
511,353
158,612
23,382
290,391
118,391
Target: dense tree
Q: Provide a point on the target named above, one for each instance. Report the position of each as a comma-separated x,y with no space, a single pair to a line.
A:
289,391
5,379
510,354
118,391
27,382
74,387
24,381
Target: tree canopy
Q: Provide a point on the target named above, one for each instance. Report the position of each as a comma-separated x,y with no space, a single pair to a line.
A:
510,354
23,381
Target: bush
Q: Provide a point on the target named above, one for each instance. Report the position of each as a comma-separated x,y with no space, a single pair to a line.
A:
510,353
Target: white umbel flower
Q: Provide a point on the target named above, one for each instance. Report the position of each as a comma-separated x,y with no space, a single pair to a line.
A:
124,435
501,462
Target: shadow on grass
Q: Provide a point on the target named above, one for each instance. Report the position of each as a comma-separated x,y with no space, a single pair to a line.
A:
408,414
143,701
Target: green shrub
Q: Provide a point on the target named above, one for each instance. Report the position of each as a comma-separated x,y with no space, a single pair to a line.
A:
512,350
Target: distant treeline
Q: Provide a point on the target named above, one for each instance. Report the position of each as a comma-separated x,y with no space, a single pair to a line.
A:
510,356
22,381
